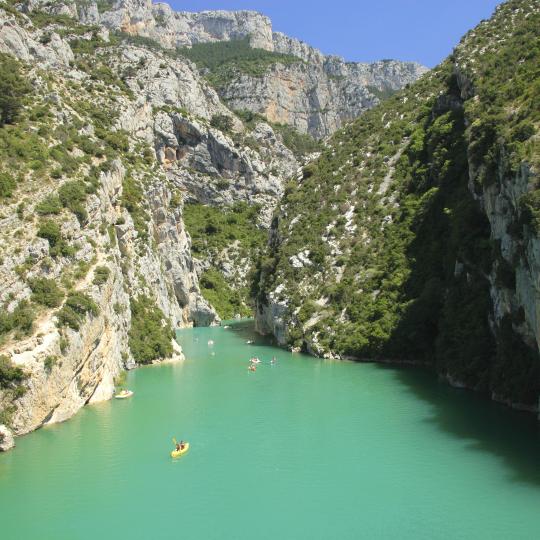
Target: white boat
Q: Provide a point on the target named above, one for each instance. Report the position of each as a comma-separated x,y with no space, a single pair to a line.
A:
124,394
210,342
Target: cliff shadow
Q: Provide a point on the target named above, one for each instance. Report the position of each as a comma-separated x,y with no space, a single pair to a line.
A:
512,436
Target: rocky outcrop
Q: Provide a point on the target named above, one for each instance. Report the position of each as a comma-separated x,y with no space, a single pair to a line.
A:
317,95
320,96
212,169
7,441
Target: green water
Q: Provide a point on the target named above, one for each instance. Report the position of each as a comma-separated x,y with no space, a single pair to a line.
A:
304,449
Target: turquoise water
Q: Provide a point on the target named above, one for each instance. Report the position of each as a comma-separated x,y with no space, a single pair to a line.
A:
304,449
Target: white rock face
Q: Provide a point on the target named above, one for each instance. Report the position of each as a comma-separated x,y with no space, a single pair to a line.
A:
7,442
180,29
316,95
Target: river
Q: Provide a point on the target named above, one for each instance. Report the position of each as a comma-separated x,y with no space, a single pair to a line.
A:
302,449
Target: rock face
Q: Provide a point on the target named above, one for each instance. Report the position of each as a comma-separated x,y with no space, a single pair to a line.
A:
319,95
7,442
316,95
180,29
139,143
425,246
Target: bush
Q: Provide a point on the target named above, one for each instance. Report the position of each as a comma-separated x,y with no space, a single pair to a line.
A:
50,231
46,292
50,361
7,185
21,319
75,309
11,376
150,334
132,199
48,206
222,122
101,275
13,88
72,195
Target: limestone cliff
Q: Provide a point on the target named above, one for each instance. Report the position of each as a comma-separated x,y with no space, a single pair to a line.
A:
316,95
110,141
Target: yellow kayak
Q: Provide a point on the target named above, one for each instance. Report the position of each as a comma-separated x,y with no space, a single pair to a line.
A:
180,453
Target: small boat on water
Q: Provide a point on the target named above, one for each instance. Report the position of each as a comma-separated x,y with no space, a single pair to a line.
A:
255,361
226,327
249,342
180,453
124,394
210,342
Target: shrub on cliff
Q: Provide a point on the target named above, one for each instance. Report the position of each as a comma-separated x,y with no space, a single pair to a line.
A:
7,185
50,231
75,309
48,206
72,195
101,275
20,319
46,292
222,122
11,376
150,334
13,88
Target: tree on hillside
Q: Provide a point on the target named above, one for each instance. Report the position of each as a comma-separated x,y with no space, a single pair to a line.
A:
13,88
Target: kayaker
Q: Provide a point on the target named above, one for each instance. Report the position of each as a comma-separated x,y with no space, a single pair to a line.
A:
178,447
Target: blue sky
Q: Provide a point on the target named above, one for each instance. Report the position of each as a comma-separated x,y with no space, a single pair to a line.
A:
367,30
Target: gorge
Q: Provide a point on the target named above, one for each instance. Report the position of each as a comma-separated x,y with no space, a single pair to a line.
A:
163,170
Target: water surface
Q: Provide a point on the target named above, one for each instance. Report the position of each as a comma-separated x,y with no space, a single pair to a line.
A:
301,449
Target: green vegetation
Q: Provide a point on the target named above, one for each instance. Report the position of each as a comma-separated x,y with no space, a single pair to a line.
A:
412,278
235,230
222,122
227,300
101,275
49,206
72,195
20,320
300,144
13,88
76,307
225,60
7,185
150,334
133,201
50,231
46,292
11,376
49,362
381,94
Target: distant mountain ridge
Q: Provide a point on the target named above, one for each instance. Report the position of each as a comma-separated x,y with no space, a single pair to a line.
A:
315,97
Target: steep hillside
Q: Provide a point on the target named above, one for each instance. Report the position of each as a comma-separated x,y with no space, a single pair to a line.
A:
415,236
104,143
289,82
